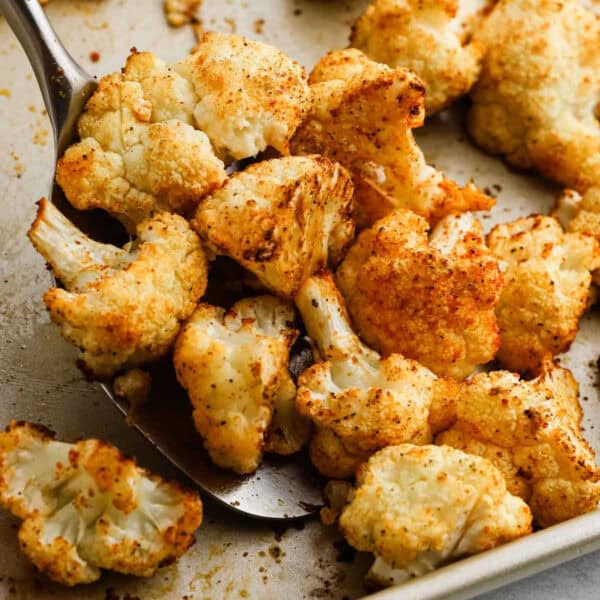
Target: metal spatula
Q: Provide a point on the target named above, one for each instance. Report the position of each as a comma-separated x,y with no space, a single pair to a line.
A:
283,488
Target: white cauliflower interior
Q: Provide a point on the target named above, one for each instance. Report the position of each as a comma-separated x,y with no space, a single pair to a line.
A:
234,366
428,37
85,507
358,401
416,507
282,219
547,277
122,308
149,133
363,116
531,431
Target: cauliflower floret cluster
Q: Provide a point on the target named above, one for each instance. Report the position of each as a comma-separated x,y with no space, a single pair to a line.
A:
282,219
536,101
430,299
424,36
85,507
531,430
362,116
234,366
416,507
149,134
358,401
122,307
547,284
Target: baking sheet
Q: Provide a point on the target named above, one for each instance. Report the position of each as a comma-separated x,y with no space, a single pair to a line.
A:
233,557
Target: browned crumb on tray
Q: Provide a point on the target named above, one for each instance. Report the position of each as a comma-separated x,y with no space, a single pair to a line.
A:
181,12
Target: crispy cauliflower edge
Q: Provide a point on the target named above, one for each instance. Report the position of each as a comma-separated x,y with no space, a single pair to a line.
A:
416,507
121,308
531,431
85,507
234,366
547,277
536,101
430,299
282,219
425,37
358,401
362,116
149,133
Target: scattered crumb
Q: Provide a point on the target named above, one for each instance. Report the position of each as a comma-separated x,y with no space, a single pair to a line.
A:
297,12
259,26
134,386
40,137
5,92
31,108
198,29
94,56
181,12
231,23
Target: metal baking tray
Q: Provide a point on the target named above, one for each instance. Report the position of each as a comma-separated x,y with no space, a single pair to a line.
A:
233,557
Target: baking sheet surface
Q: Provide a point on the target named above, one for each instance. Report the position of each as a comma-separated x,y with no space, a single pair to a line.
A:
233,557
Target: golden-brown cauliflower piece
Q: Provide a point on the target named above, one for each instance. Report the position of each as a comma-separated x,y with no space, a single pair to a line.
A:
531,430
430,299
537,99
417,507
580,213
122,307
547,284
424,36
282,219
250,95
358,401
234,366
85,507
362,117
139,151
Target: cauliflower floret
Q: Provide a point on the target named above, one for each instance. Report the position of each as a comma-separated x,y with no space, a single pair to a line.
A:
362,117
181,12
250,95
580,213
139,152
86,507
537,99
547,276
425,37
531,431
433,299
148,133
282,219
358,402
234,366
416,507
122,308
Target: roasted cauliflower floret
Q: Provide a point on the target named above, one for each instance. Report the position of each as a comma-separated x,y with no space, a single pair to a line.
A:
250,95
537,99
425,37
416,507
358,401
580,213
547,277
234,366
85,507
149,133
430,299
121,307
531,431
139,151
282,219
362,117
